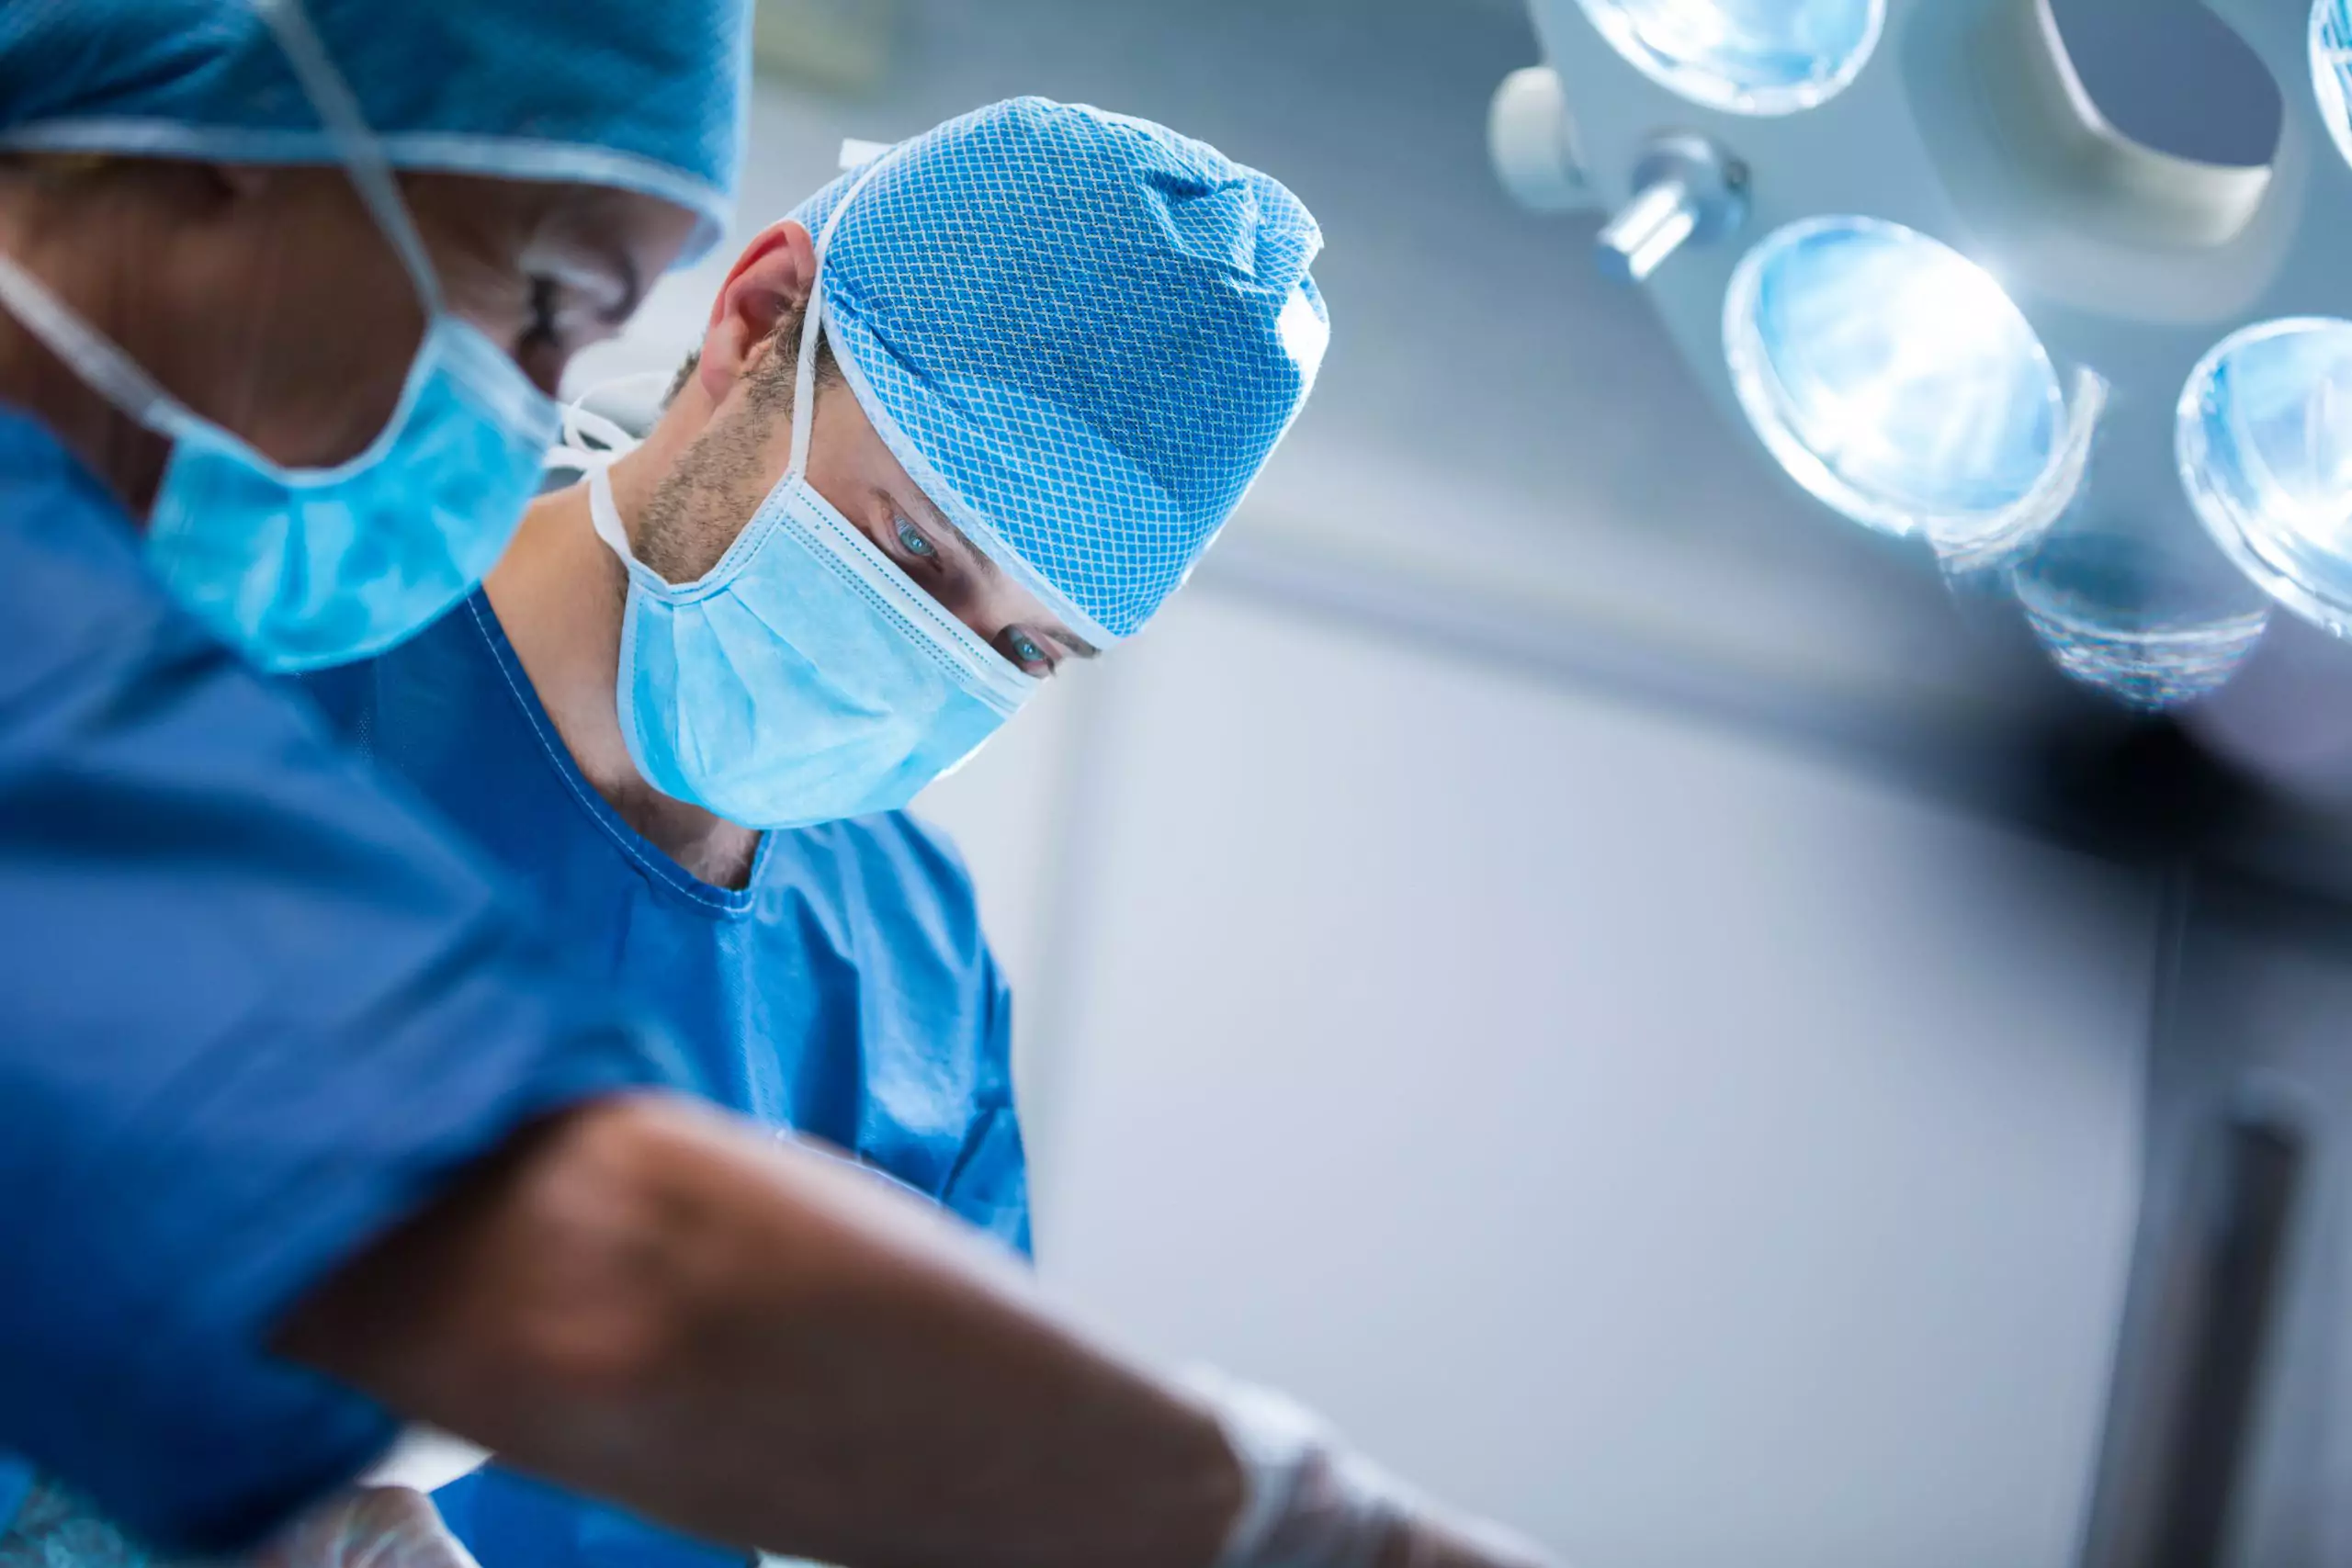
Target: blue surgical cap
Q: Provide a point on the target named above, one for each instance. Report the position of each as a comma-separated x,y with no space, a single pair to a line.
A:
638,94
1080,333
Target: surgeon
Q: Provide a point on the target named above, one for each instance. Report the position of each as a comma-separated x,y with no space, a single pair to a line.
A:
1087,333
261,396
301,1123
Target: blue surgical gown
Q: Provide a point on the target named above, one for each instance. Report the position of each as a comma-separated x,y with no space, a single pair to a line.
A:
257,1007
846,992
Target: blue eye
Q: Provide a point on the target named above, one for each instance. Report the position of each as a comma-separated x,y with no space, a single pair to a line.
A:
910,540
1025,649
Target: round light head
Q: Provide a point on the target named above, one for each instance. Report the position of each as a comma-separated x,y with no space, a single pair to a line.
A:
2152,626
1892,378
1761,57
2330,49
2265,441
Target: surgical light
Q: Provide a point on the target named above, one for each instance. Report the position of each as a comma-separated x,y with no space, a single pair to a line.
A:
1754,57
2263,437
2150,626
1894,380
1958,306
2331,51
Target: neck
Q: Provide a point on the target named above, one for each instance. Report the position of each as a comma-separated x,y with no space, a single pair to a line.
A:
127,458
560,595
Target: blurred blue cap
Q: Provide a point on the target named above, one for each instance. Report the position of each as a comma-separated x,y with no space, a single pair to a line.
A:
643,96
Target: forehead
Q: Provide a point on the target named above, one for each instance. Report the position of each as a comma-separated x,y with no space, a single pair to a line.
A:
847,442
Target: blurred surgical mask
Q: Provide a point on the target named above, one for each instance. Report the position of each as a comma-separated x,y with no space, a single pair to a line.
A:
306,567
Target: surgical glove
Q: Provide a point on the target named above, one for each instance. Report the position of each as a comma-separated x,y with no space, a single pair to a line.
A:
367,1527
1310,1503
424,1460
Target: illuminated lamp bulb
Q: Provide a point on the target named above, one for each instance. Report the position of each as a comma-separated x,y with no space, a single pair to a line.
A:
1758,57
1896,380
2263,438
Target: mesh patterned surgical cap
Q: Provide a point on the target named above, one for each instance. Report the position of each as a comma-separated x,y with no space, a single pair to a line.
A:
637,94
1080,333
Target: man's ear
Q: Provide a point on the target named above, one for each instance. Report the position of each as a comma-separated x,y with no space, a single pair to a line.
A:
769,282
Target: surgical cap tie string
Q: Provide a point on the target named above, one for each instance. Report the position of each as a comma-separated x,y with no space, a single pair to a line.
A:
582,425
589,439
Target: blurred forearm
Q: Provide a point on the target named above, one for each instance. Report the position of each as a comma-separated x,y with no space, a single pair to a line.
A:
648,1302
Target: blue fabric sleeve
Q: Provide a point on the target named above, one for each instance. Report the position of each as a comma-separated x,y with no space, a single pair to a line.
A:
16,1480
257,1011
510,1520
921,883
989,1184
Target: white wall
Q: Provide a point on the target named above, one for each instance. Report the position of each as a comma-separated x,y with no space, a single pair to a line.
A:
1676,1145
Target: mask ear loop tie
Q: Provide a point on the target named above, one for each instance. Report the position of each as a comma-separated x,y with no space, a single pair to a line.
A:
339,113
812,321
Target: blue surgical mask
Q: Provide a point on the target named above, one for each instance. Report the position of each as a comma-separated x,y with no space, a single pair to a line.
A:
305,568
804,678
